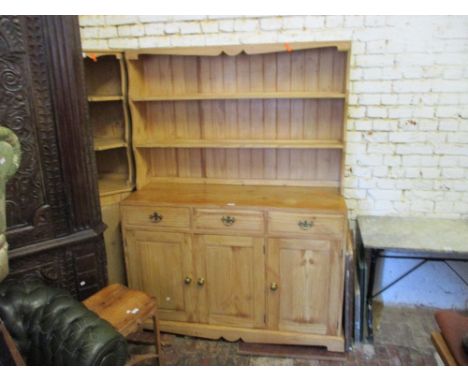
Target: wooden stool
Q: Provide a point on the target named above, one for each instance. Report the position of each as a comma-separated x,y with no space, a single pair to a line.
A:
127,310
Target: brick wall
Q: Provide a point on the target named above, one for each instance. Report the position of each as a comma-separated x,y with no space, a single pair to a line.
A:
407,125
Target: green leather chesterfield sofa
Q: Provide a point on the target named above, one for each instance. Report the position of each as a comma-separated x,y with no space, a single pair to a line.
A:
47,324
50,327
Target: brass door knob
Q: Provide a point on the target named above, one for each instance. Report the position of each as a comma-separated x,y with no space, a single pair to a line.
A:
201,281
273,286
188,280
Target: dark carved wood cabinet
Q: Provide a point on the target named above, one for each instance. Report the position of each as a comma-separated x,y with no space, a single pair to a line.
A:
53,215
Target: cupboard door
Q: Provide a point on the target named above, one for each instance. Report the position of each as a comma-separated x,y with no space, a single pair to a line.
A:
160,264
233,271
304,286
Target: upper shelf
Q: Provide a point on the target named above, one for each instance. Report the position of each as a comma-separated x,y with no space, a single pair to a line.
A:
104,76
297,74
247,95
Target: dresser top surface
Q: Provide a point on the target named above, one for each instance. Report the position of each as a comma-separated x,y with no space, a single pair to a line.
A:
221,195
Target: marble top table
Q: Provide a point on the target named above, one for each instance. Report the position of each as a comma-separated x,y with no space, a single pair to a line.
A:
430,235
404,237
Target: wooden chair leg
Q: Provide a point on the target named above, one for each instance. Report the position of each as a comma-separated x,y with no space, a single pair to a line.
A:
442,349
135,360
157,336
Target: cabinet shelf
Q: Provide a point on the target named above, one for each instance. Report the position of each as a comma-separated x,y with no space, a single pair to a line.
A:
298,144
104,98
112,186
240,96
106,84
104,76
114,171
101,144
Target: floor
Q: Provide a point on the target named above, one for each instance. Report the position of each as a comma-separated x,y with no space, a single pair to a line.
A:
402,337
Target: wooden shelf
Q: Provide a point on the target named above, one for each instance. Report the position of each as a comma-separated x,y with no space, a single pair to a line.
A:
101,144
104,98
105,78
275,144
109,186
240,96
241,166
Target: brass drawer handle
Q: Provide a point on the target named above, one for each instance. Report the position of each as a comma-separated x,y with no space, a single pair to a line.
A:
201,281
228,220
273,286
156,217
305,224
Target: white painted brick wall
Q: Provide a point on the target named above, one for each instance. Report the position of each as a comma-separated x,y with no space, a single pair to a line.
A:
407,121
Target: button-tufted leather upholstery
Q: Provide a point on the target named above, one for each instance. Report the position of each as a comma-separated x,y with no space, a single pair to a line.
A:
50,327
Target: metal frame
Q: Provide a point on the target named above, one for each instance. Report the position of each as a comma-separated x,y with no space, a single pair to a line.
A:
366,265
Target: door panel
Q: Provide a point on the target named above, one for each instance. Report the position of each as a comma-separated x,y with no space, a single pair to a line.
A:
308,291
233,267
158,263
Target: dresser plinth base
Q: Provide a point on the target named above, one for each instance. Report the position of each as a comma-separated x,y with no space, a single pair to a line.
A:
265,336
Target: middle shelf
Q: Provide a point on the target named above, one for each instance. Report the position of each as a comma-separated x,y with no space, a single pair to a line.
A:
239,123
243,143
239,96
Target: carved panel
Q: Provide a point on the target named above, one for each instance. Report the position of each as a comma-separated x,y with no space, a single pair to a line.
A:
10,36
35,196
45,132
53,214
49,266
81,269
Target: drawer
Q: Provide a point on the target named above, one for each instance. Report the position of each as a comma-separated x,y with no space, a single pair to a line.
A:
157,216
303,223
229,220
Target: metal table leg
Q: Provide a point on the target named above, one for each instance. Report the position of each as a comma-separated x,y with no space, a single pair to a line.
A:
371,257
362,277
362,284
